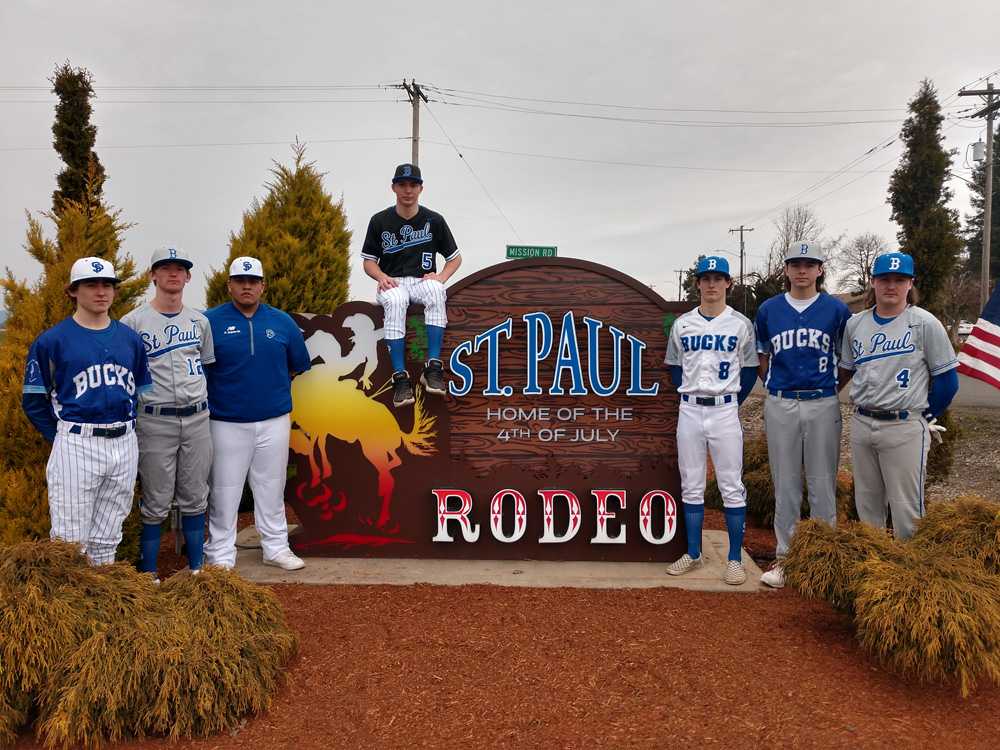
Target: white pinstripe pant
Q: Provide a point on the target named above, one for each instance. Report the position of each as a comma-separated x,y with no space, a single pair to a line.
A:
431,294
91,484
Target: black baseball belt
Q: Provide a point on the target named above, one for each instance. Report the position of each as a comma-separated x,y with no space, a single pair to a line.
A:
175,411
884,416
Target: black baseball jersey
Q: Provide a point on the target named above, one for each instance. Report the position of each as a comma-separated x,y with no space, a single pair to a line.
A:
406,247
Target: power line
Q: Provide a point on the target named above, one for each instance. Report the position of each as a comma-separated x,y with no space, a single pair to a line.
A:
462,94
212,144
642,165
472,171
216,88
210,101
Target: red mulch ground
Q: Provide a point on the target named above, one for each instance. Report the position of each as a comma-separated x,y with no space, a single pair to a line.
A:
427,666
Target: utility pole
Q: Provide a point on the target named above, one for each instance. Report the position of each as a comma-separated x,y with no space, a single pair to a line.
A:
743,290
989,110
680,284
415,94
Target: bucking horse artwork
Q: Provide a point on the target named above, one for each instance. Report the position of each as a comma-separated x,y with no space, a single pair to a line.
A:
336,400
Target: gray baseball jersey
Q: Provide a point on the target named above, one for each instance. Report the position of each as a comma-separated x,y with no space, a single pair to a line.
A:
177,346
894,361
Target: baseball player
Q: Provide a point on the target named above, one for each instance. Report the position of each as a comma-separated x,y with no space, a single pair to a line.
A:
82,382
712,358
258,349
904,377
175,443
399,253
798,340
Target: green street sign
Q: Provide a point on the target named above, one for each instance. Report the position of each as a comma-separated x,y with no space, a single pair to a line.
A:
531,251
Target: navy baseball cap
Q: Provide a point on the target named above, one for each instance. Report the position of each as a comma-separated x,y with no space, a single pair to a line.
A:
900,263
713,264
410,172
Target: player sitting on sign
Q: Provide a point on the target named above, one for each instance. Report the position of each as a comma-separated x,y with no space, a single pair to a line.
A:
81,385
399,253
712,357
798,340
904,376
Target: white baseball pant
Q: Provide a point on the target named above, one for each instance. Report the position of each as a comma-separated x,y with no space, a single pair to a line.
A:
91,482
259,449
715,430
430,293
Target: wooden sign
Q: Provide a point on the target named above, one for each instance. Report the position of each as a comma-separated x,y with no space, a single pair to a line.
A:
556,440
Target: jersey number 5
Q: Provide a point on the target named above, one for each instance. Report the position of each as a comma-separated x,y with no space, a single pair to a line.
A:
427,261
903,378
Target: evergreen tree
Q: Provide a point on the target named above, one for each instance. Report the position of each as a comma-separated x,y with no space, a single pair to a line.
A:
82,179
301,237
82,228
974,221
919,195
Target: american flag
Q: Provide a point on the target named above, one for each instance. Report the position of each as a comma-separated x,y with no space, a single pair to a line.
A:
980,355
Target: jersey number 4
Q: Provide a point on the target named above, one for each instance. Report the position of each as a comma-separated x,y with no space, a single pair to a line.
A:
903,378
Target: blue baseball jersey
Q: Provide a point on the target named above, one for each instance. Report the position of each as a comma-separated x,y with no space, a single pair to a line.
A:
803,346
90,377
255,358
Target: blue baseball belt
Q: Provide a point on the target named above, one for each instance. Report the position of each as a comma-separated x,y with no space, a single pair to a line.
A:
810,394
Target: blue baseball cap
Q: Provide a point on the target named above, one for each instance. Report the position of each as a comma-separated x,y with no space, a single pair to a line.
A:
900,263
713,264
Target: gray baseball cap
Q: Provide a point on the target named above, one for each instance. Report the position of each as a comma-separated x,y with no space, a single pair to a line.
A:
805,250
170,254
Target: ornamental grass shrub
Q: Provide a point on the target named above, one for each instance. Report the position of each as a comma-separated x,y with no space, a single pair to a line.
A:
931,616
968,526
90,655
823,562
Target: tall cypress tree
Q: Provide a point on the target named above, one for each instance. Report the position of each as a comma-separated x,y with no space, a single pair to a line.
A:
301,237
974,221
82,178
919,195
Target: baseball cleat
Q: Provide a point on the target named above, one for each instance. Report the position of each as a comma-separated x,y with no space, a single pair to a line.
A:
402,391
735,573
775,577
286,560
433,377
685,564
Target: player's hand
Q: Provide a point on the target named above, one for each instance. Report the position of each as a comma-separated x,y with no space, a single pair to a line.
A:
936,430
386,283
433,277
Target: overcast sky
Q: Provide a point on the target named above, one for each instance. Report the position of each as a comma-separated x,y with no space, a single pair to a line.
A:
184,163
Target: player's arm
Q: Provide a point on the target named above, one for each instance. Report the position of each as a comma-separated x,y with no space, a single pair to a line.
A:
448,271
845,370
299,359
843,378
763,344
941,362
943,389
384,280
763,362
37,385
750,362
38,408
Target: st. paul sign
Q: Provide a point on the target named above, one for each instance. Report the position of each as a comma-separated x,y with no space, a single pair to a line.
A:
556,441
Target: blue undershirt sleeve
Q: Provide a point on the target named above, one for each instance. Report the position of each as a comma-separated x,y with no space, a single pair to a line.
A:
748,378
942,391
38,408
676,375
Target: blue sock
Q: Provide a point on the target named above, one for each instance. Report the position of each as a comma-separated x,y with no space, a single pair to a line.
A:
435,335
194,539
149,547
736,520
694,517
397,353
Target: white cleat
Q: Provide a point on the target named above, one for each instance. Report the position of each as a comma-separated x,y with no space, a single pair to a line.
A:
735,573
775,577
286,560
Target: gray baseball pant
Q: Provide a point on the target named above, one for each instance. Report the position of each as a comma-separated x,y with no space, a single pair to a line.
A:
890,464
802,432
175,459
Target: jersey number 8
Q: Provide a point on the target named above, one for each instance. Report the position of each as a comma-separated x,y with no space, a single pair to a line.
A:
723,370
